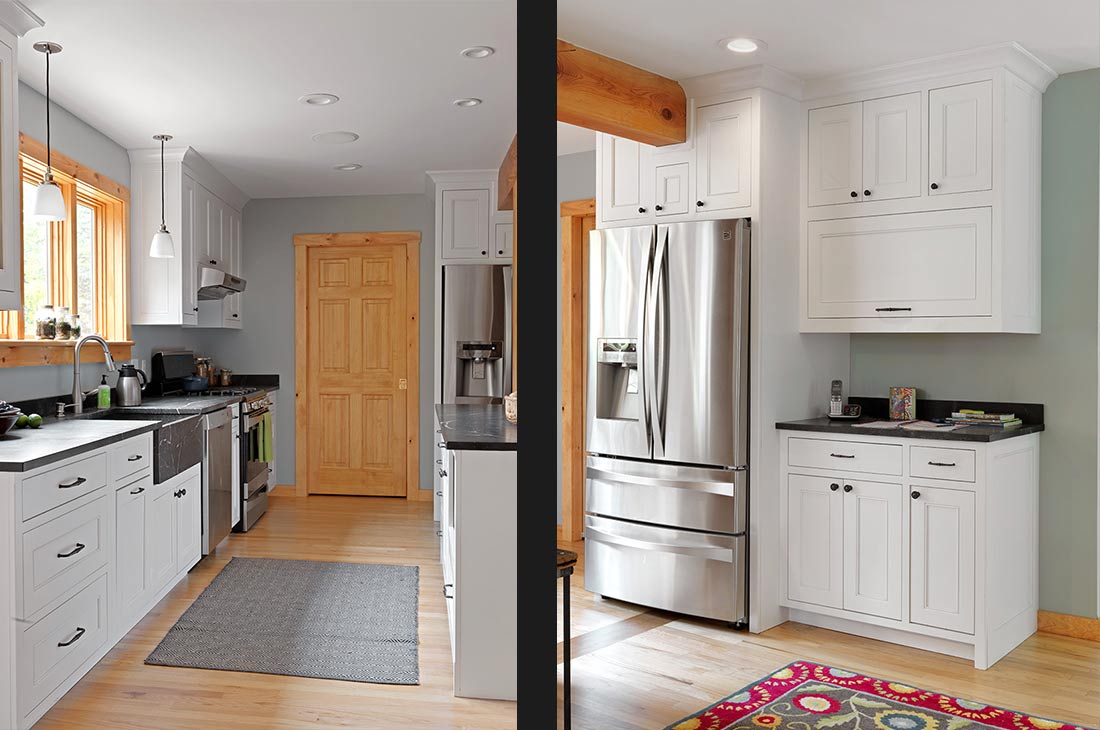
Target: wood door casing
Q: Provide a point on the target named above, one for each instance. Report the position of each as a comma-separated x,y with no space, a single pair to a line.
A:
357,362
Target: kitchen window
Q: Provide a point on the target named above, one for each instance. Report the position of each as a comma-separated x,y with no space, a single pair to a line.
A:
80,263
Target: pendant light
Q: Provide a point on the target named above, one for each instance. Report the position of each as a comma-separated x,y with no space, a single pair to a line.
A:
49,203
161,247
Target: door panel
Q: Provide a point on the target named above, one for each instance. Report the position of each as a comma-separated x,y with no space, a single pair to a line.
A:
700,351
942,558
189,523
623,189
835,144
465,224
873,540
891,147
960,138
723,177
357,355
160,535
815,547
671,191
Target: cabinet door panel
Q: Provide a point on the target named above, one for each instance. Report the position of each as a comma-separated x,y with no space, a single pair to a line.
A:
815,550
465,224
960,138
873,539
935,264
130,574
671,189
723,171
160,535
502,247
189,523
624,194
835,148
941,593
188,251
891,147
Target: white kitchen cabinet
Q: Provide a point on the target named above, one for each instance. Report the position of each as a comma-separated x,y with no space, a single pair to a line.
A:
671,189
503,233
960,138
160,535
835,147
942,525
188,518
946,563
466,224
723,162
231,307
891,147
130,540
623,193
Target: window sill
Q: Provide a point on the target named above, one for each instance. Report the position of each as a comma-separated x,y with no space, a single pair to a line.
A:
28,353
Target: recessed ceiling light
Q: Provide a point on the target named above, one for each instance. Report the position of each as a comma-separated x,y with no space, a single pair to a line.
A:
318,99
466,102
744,45
335,137
348,167
478,52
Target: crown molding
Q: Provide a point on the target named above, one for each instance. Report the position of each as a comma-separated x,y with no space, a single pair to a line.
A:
205,173
1011,56
453,176
741,79
18,18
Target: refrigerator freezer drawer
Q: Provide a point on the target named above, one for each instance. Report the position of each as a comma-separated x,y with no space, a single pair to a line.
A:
700,574
665,494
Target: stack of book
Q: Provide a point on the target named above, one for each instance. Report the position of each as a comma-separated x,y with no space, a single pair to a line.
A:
970,417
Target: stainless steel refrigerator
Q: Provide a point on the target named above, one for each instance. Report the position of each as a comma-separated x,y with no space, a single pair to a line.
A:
667,405
477,333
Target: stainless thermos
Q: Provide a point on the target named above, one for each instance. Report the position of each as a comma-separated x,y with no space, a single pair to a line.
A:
128,387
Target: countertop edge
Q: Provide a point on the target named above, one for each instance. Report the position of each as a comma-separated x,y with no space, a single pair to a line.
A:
25,466
847,428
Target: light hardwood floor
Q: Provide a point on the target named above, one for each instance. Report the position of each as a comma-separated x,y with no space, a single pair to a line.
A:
123,693
634,668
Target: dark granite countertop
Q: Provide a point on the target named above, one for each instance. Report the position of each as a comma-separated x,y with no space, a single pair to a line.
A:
183,404
968,433
476,427
23,449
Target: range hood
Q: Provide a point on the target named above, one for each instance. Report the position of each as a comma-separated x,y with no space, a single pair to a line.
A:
217,284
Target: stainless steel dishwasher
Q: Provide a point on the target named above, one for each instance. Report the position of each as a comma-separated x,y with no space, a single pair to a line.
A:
217,478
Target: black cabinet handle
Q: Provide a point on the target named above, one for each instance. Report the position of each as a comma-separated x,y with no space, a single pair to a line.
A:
79,633
236,315
698,203
74,551
500,252
439,493
75,483
183,492
848,487
439,533
934,186
843,456
439,461
834,487
893,309
195,309
139,490
213,261
641,210
135,457
442,473
484,253
941,463
176,494
445,587
915,495
866,193
658,207
855,194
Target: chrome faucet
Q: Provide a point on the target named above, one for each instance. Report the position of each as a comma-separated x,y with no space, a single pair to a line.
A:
78,394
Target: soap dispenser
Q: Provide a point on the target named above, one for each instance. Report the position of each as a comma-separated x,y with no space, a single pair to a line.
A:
103,393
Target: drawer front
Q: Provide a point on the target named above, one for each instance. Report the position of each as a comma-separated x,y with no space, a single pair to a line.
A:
52,649
62,552
933,462
131,456
857,456
55,487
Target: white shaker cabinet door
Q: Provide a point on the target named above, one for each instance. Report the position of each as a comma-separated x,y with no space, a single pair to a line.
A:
160,535
835,148
624,193
671,189
815,549
941,524
723,169
465,224
873,542
892,147
130,573
960,138
188,522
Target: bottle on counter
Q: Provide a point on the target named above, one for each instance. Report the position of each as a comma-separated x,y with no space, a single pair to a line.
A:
45,323
76,327
64,324
103,394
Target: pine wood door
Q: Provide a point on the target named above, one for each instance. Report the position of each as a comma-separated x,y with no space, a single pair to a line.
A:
357,359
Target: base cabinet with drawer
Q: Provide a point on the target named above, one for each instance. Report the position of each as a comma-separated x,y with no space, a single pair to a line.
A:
91,550
910,541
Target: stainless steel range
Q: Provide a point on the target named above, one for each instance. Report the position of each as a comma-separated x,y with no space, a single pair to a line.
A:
255,458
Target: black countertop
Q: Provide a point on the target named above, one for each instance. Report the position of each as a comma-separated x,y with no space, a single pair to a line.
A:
967,433
24,449
182,404
474,427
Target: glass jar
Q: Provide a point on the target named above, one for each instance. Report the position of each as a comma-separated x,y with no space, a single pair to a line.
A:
45,323
76,327
64,324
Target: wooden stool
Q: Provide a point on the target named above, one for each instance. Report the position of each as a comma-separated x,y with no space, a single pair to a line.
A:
566,560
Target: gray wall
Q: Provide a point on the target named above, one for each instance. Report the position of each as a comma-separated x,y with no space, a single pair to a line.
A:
1057,368
576,181
266,342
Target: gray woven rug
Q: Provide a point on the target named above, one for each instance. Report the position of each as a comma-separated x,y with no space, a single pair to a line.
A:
302,618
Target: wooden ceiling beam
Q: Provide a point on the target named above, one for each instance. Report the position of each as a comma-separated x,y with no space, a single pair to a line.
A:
506,178
601,93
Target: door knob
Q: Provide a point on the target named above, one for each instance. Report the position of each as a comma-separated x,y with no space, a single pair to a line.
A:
867,193
500,252
848,487
698,203
658,207
914,495
641,210
934,186
834,487
855,194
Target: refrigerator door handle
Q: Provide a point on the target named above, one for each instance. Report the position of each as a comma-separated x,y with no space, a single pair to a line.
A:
655,342
644,372
723,553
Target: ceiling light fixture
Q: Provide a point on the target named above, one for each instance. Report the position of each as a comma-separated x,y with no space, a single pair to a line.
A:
318,99
466,102
743,45
335,137
348,167
161,246
49,203
478,51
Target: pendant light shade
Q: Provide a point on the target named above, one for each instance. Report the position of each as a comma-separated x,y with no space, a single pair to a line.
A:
49,203
161,246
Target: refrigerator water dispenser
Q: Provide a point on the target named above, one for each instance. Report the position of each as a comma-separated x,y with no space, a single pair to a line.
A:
617,388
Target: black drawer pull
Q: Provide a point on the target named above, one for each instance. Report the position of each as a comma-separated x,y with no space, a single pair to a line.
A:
843,456
941,463
77,635
79,546
445,587
442,474
439,533
914,495
848,487
139,490
893,309
135,457
439,493
834,487
75,483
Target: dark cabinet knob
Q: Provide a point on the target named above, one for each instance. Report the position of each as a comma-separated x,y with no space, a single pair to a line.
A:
866,193
641,210
195,308
213,261
500,252
236,315
834,487
855,194
915,495
484,253
848,487
934,186
698,203
658,207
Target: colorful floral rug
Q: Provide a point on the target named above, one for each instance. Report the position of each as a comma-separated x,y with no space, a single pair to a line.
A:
807,696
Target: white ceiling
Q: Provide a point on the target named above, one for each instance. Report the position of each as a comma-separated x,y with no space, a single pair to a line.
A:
817,38
573,139
224,77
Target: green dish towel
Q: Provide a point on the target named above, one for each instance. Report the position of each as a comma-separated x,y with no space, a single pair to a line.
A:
265,439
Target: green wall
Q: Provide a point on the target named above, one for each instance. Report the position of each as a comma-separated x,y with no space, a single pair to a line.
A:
1057,368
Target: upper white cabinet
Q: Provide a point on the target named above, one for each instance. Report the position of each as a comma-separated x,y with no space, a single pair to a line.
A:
921,197
203,212
467,224
710,176
504,233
